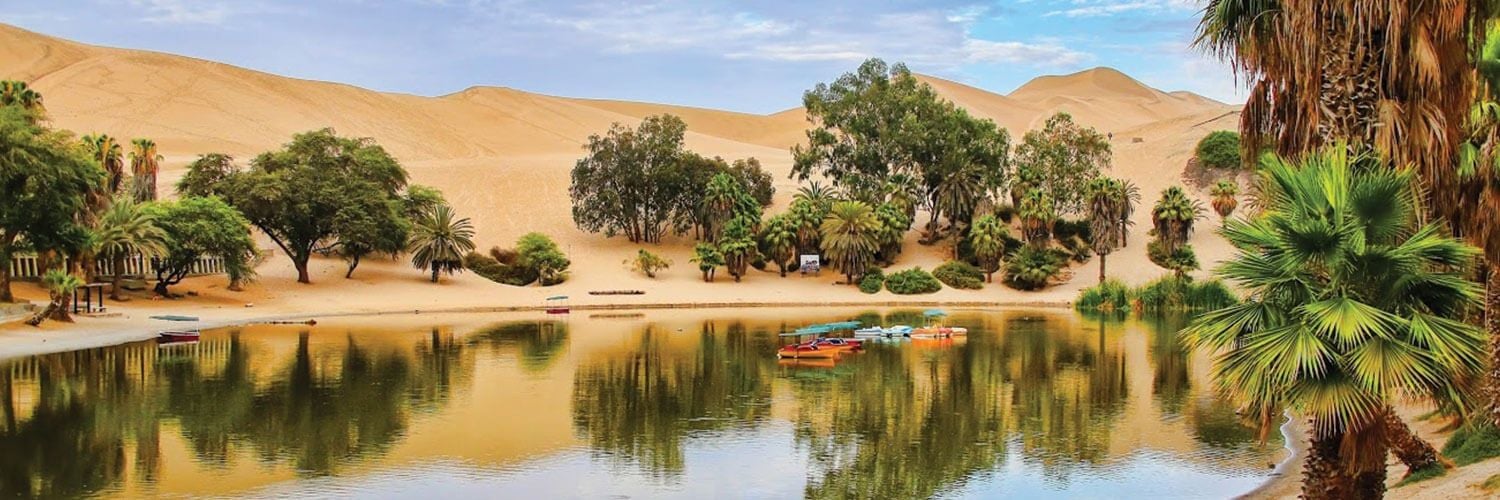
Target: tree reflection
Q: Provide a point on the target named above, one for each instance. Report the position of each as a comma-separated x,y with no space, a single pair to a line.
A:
540,342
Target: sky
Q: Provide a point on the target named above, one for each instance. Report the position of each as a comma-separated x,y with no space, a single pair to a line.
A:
750,56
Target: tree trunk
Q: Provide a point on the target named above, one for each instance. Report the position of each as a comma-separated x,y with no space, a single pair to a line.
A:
117,277
56,310
301,264
353,263
1412,450
435,273
5,253
1328,475
1102,257
1492,324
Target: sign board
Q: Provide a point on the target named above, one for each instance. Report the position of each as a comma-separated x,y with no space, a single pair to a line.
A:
809,264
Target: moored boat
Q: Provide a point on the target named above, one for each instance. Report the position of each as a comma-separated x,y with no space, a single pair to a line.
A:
807,351
876,331
173,336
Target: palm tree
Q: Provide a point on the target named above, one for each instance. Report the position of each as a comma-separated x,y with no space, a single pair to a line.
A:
719,200
851,238
778,239
708,259
1132,199
17,93
957,196
439,243
737,245
1350,300
893,226
1037,214
106,150
126,229
818,195
144,163
60,286
1478,217
987,238
1106,199
904,191
1224,201
1173,218
807,217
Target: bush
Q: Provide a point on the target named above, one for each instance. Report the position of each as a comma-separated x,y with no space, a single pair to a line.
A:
1005,213
873,281
1472,443
497,271
912,281
1065,228
1219,149
648,263
1111,295
1171,293
960,275
538,254
1182,261
1077,248
1032,268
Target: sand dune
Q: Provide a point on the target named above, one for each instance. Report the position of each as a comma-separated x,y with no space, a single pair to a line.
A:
502,156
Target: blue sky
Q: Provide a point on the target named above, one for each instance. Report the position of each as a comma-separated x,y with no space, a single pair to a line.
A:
754,56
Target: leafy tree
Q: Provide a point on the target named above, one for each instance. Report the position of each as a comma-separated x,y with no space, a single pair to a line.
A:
107,151
44,177
1038,214
197,227
1061,158
851,235
1219,149
1224,201
631,179
737,245
754,178
126,228
708,258
648,263
295,195
439,242
540,255
987,237
1350,304
893,226
807,216
60,286
18,94
145,162
879,121
778,241
419,200
725,199
373,226
1106,199
1173,218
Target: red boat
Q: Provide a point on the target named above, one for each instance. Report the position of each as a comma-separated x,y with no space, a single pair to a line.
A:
172,336
808,350
842,343
557,304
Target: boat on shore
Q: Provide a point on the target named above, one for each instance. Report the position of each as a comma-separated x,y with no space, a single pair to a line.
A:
177,336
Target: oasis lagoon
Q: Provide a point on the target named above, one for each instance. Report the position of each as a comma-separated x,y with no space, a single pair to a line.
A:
667,403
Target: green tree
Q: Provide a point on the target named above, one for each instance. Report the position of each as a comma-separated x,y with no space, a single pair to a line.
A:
1349,307
1173,218
126,229
372,226
1105,199
879,121
778,241
1038,213
205,173
893,226
1061,158
851,238
295,195
439,242
987,237
1219,149
145,162
1224,201
60,286
648,263
44,178
737,245
198,227
107,151
1477,208
708,258
631,180
541,256
18,94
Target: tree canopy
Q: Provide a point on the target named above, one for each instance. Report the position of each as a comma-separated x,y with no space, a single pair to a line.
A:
1061,158
196,227
44,178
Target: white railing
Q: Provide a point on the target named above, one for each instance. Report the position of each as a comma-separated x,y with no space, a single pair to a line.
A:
28,267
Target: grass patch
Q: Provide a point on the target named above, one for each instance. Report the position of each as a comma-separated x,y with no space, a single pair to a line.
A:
1423,475
960,275
1111,295
1473,443
1491,484
1167,294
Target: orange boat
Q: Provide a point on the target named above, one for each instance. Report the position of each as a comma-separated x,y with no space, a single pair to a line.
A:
808,351
939,331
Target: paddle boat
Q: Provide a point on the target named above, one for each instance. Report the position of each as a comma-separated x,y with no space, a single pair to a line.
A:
876,331
557,304
934,329
175,336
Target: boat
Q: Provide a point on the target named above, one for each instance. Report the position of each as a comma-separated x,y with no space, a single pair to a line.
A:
557,304
876,331
841,343
934,329
808,351
174,336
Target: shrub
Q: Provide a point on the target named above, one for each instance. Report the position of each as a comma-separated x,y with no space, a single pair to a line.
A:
1077,248
497,271
1182,261
1473,443
873,281
1111,295
1032,268
538,254
1172,293
960,275
1005,213
648,263
912,281
1220,149
1066,228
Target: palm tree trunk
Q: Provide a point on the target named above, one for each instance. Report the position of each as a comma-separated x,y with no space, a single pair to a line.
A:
1492,324
117,259
6,243
435,273
1412,450
1327,475
1102,257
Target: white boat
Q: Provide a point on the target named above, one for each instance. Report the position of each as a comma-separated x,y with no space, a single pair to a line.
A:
875,331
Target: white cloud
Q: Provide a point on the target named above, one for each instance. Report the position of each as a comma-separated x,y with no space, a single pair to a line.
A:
183,11
1097,8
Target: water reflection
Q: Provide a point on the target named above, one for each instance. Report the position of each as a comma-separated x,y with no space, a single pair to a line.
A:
1047,403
